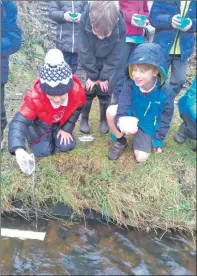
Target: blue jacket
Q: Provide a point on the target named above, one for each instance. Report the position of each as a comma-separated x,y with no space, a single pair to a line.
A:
187,104
161,17
155,109
10,36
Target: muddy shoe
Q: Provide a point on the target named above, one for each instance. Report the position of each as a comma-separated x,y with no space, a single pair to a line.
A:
180,136
116,150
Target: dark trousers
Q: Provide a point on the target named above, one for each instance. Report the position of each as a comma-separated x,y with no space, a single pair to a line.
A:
72,60
50,144
188,126
96,92
178,72
3,111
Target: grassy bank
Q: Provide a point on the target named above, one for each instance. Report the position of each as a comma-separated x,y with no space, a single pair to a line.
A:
158,194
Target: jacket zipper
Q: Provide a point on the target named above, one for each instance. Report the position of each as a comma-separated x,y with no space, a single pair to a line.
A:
147,108
61,33
73,36
178,34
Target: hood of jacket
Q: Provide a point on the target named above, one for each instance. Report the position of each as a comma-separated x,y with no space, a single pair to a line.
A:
149,53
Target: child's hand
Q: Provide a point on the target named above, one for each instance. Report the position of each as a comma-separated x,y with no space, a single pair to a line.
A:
77,20
67,16
65,137
90,84
104,85
175,21
188,26
158,150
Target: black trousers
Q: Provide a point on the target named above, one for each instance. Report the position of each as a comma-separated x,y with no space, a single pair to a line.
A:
189,126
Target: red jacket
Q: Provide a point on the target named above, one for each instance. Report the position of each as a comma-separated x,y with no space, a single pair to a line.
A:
36,103
129,8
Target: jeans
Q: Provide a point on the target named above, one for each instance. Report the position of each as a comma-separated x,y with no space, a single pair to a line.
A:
72,60
178,72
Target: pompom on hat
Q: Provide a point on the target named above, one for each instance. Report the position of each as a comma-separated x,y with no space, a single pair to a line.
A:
56,74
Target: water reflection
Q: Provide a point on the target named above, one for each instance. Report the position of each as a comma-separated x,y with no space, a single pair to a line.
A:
94,249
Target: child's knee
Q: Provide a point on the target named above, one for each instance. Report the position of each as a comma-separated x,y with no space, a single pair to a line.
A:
111,111
141,156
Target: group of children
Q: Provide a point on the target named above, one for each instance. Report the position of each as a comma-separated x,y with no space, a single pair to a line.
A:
127,75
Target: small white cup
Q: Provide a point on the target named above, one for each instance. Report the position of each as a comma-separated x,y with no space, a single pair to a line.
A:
128,123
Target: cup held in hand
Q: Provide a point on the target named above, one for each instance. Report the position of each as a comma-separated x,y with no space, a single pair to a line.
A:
128,123
184,22
29,164
141,19
73,16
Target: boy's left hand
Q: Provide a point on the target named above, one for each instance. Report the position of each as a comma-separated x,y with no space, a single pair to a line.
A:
65,137
158,150
104,85
188,26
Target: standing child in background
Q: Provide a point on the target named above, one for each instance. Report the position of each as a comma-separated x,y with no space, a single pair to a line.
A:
10,43
101,39
145,106
175,24
132,10
50,110
187,110
67,15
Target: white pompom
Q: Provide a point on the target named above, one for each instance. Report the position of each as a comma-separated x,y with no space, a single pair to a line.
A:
54,57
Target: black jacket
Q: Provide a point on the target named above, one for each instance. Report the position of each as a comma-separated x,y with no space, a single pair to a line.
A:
92,49
67,32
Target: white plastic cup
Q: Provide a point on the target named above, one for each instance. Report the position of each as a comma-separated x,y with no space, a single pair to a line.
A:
128,123
30,164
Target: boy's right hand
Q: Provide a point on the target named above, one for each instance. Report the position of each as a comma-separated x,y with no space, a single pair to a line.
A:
90,84
175,21
25,161
67,16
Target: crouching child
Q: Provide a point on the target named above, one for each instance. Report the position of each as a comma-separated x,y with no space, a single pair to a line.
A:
145,106
50,110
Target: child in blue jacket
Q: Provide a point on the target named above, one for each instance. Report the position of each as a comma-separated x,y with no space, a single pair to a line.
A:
10,43
177,41
148,98
187,110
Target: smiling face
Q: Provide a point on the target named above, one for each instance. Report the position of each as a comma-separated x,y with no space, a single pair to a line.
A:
144,75
57,100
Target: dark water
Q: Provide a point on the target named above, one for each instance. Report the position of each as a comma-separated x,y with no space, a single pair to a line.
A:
94,249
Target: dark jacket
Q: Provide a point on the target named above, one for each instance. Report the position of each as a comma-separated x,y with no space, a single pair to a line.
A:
35,117
93,51
155,109
187,103
10,36
67,32
161,18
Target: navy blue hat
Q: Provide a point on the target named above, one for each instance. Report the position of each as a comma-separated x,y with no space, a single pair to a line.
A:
56,74
149,53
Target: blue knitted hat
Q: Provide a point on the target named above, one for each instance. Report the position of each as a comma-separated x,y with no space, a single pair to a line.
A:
56,74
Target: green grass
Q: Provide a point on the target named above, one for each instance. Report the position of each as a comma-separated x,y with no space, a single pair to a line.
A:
157,194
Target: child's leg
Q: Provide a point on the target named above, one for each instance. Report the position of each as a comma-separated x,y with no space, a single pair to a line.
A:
111,113
63,147
178,73
142,145
44,147
3,115
186,129
74,62
104,101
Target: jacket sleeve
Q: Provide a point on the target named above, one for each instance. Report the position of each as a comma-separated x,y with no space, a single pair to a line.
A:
158,17
70,123
146,9
113,60
165,122
124,102
55,13
87,57
17,133
11,34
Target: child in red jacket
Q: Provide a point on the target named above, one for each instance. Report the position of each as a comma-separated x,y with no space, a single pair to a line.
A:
134,33
50,110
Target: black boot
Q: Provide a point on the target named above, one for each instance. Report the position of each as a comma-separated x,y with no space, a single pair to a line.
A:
103,119
180,136
84,127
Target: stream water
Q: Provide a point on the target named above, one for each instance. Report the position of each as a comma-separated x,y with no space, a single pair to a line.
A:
91,248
